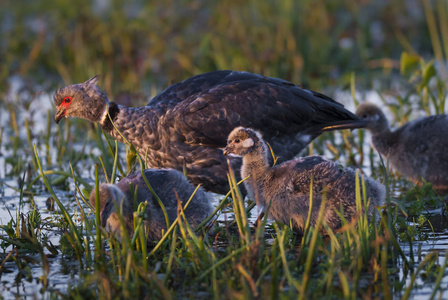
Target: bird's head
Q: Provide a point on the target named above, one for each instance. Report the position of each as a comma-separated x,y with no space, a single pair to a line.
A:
109,196
84,100
377,121
242,141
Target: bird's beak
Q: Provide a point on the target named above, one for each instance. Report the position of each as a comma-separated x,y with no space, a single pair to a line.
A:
227,150
60,113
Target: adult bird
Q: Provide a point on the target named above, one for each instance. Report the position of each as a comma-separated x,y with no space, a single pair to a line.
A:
416,150
286,188
188,123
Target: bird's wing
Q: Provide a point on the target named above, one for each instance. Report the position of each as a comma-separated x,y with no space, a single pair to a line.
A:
181,91
273,106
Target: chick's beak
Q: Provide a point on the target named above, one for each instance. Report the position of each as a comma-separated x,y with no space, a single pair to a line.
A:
60,113
228,150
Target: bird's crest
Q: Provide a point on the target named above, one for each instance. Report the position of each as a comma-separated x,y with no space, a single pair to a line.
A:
92,82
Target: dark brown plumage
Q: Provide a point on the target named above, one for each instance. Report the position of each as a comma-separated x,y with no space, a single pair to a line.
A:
287,186
188,123
416,150
164,182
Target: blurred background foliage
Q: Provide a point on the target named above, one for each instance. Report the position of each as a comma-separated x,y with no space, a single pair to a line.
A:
146,45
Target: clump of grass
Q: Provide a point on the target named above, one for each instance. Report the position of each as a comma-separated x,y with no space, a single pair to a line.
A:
249,259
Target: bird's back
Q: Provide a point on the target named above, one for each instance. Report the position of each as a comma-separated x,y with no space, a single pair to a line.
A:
291,186
228,99
419,149
169,185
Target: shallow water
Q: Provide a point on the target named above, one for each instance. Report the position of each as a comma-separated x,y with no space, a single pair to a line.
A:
64,271
438,243
27,282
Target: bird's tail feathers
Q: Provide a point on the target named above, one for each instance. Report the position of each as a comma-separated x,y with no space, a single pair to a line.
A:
344,125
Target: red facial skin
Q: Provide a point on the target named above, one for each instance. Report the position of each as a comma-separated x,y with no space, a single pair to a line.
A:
65,104
62,109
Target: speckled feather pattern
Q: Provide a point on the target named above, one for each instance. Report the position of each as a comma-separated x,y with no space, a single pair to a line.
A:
188,122
293,179
164,182
286,187
416,150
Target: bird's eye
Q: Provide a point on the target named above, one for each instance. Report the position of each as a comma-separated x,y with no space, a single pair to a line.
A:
364,116
237,141
68,99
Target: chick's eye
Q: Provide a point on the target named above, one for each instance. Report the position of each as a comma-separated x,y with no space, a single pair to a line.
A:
68,99
237,141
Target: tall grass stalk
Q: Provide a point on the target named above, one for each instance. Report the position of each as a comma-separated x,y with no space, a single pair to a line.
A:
239,209
47,138
442,10
104,170
1,136
344,284
30,142
88,229
215,280
439,277
312,246
20,206
434,34
310,210
281,239
171,255
113,153
115,165
87,203
77,243
138,217
384,278
173,225
64,174
97,215
249,279
100,144
415,274
219,207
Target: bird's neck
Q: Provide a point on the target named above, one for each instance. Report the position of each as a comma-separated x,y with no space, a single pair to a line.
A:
109,116
257,159
255,164
103,115
383,141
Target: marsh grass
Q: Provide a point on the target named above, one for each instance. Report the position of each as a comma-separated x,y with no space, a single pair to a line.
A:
185,262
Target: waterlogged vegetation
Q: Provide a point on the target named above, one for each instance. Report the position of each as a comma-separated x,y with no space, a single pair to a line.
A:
51,244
